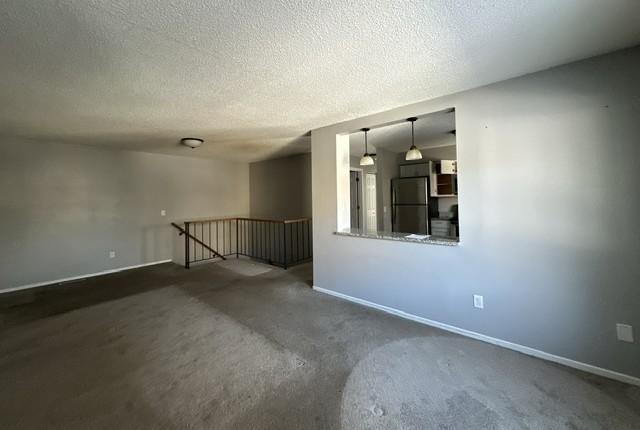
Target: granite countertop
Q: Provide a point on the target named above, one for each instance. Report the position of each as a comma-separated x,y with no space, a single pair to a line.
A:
401,237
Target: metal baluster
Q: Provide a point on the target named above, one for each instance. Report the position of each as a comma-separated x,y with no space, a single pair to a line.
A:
259,250
186,245
304,247
308,239
284,236
298,241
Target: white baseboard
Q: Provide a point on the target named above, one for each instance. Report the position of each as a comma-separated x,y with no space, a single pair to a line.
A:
503,343
74,278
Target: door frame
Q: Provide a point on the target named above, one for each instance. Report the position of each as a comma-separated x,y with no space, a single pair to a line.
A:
361,220
367,202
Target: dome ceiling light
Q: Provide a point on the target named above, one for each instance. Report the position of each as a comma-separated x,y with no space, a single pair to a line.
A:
192,142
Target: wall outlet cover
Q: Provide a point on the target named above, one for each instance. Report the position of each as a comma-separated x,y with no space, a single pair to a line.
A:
478,301
112,254
624,332
163,213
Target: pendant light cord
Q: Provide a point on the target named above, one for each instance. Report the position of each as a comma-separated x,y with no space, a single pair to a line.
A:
413,140
366,151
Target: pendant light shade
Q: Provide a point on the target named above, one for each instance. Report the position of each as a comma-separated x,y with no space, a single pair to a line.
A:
366,160
413,153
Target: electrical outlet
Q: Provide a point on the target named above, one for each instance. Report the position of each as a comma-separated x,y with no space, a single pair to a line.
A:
112,254
478,301
624,332
163,213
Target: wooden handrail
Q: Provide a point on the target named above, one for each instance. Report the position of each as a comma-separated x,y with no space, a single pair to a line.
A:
275,221
195,239
291,221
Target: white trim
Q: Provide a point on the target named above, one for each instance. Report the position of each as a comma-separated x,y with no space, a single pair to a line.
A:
74,278
503,343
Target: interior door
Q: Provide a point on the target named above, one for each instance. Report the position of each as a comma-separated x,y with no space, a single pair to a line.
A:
356,198
370,194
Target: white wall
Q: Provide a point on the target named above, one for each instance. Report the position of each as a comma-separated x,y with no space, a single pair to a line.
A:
64,207
549,203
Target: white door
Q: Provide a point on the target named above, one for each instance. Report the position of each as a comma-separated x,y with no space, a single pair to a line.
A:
371,221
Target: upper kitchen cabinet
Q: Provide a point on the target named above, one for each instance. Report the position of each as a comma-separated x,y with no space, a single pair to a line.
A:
414,170
444,178
448,167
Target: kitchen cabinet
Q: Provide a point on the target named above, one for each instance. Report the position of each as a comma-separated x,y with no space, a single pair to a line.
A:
413,170
448,167
446,185
443,182
440,227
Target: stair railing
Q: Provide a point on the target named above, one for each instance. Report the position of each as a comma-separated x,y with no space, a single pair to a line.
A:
280,243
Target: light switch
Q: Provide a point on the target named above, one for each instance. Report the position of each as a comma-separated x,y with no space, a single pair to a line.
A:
625,332
163,212
478,301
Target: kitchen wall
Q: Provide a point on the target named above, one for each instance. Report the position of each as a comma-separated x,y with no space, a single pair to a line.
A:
549,171
281,188
438,153
64,207
387,167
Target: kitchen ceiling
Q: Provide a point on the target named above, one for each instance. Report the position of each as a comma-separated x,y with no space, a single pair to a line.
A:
252,78
431,130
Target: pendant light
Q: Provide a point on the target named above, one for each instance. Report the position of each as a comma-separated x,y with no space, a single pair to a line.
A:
413,153
366,160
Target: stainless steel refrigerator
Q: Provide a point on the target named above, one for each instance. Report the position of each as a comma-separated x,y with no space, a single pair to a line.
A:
411,206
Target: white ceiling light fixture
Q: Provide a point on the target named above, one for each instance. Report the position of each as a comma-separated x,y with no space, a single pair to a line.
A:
367,159
191,142
413,153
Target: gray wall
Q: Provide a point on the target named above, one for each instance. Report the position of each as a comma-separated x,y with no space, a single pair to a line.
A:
64,207
549,203
281,188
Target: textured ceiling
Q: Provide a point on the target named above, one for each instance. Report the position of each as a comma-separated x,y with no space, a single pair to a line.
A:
252,78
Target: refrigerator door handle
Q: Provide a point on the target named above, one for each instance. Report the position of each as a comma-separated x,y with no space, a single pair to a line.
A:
393,218
393,207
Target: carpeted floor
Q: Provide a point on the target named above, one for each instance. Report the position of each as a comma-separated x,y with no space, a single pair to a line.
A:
246,346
